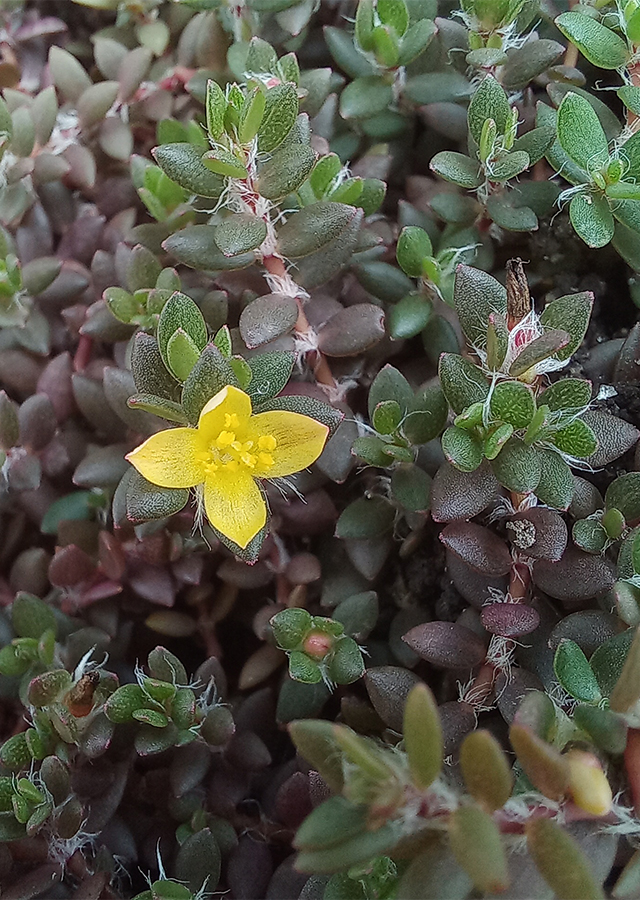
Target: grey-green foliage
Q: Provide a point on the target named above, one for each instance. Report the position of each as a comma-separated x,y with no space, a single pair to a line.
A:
499,156
530,435
259,159
502,412
372,783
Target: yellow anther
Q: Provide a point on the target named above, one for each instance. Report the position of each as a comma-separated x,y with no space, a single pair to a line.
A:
225,439
267,442
217,458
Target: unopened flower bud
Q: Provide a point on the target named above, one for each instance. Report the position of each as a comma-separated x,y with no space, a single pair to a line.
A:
317,644
588,784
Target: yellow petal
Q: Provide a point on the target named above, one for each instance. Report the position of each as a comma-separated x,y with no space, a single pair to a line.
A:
234,505
299,441
169,458
230,401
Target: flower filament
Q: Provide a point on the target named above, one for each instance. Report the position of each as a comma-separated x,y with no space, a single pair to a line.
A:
228,451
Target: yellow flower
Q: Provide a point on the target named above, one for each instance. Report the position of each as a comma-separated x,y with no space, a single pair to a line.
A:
226,453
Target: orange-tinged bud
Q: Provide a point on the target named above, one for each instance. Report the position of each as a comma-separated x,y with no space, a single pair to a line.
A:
588,784
317,644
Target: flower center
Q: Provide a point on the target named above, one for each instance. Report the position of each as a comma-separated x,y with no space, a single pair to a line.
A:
229,452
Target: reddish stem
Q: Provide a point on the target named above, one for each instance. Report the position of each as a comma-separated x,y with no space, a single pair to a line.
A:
571,55
482,686
83,353
632,765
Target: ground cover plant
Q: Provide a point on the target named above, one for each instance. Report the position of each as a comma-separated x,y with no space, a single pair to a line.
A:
319,479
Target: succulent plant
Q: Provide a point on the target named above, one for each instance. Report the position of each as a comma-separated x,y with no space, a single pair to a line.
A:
319,508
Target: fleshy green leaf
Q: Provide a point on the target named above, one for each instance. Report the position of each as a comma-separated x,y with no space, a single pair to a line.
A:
315,741
395,14
476,296
462,449
486,770
251,114
457,168
517,467
215,105
560,859
462,382
181,313
624,494
427,415
589,535
224,163
147,501
413,245
365,518
280,113
513,402
416,41
285,171
240,233
386,417
607,730
508,165
580,133
313,228
542,763
166,409
270,372
510,217
601,46
390,384
488,102
365,97
423,741
608,660
626,692
261,57
182,163
411,486
570,313
497,340
196,247
304,669
477,846
182,354
592,219
346,664
576,439
575,674
568,393
409,316
31,616
334,821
